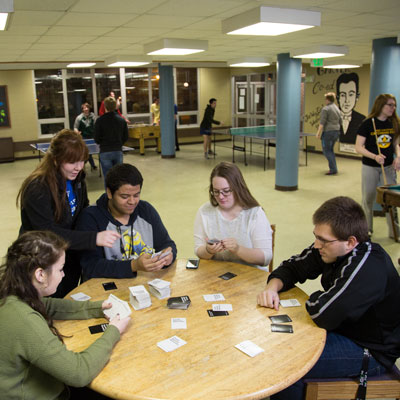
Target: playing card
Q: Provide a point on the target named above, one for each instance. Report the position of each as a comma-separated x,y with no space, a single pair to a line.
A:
290,303
222,307
281,328
249,348
214,297
212,313
279,319
227,275
80,296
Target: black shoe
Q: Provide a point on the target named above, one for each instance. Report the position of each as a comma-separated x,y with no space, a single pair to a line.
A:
93,167
177,149
331,173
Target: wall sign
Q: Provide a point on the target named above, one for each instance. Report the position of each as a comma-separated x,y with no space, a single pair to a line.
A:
4,110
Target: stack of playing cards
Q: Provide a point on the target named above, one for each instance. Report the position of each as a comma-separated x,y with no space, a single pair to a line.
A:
139,297
119,306
159,288
180,303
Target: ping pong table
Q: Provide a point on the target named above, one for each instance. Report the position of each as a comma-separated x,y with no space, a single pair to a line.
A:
93,148
265,133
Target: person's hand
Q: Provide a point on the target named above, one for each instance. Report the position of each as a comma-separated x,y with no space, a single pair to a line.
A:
120,324
396,163
318,135
148,264
106,305
166,259
268,298
107,238
230,244
214,248
380,159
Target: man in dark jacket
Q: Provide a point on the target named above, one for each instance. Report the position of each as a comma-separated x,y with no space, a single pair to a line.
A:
110,133
206,124
142,231
359,305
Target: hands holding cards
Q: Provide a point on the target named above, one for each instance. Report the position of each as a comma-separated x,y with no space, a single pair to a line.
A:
147,262
120,324
214,246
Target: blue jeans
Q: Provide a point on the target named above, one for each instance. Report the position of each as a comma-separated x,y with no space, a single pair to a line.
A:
341,358
108,160
329,138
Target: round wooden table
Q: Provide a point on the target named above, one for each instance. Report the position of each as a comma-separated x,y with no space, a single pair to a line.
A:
208,366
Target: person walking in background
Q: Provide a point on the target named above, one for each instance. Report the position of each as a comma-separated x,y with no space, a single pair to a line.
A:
84,124
206,125
110,133
329,130
155,112
176,127
382,129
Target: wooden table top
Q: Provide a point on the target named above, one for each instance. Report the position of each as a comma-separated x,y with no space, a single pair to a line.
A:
208,366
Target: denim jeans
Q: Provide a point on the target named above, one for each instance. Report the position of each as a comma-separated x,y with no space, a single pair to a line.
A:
108,160
329,138
341,358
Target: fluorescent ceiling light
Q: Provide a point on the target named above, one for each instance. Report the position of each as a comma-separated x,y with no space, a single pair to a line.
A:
341,64
175,47
270,21
6,7
81,65
249,62
321,51
127,61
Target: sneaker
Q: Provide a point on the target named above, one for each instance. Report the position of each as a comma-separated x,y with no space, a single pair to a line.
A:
206,155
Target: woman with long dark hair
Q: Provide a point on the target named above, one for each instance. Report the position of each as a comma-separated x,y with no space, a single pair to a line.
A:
233,220
35,362
377,141
52,197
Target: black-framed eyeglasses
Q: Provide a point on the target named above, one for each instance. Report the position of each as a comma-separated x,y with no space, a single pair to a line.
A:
224,192
324,242
391,105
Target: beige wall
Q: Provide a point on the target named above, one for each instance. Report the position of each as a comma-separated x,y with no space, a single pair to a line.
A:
22,105
215,82
320,81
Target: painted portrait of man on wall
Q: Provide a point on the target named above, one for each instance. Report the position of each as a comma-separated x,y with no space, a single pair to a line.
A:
347,94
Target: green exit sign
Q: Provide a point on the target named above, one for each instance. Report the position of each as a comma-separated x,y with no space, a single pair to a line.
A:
317,62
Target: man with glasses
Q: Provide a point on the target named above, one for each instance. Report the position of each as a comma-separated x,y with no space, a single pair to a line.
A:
359,304
142,232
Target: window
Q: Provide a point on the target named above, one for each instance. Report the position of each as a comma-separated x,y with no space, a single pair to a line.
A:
49,94
137,90
107,80
187,95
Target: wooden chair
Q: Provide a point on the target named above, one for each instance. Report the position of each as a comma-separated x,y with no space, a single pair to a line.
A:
271,263
386,386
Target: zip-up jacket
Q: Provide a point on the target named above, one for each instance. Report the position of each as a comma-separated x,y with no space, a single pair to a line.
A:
360,300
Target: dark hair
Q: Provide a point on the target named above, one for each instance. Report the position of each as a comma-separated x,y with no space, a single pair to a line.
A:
234,177
66,147
379,103
346,78
86,105
212,100
30,251
330,96
344,216
123,174
110,104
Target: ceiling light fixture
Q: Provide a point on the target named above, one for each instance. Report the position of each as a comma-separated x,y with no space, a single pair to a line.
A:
252,62
6,7
270,21
341,64
127,61
81,65
175,47
320,51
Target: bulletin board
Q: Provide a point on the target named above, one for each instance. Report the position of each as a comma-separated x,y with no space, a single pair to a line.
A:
5,121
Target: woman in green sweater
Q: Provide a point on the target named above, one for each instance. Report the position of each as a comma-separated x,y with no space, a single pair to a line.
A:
35,362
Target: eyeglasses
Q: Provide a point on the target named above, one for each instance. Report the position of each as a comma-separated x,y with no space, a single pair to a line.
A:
224,192
391,105
324,242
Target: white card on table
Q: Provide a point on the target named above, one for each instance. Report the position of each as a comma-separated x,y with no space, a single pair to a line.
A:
159,283
222,307
80,296
249,348
214,297
139,297
290,303
119,306
171,344
178,323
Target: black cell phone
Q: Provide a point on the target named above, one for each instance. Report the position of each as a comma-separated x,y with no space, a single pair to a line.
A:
109,285
213,241
192,263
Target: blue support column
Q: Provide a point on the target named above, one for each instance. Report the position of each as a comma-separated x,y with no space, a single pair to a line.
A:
385,67
287,122
167,119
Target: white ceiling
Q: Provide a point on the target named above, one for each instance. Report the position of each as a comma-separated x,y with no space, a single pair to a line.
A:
62,31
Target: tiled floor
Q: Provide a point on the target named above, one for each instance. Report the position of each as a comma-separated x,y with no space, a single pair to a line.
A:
177,187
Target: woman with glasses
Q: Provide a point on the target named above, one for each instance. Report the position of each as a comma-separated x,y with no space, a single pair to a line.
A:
52,197
377,142
35,362
232,226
